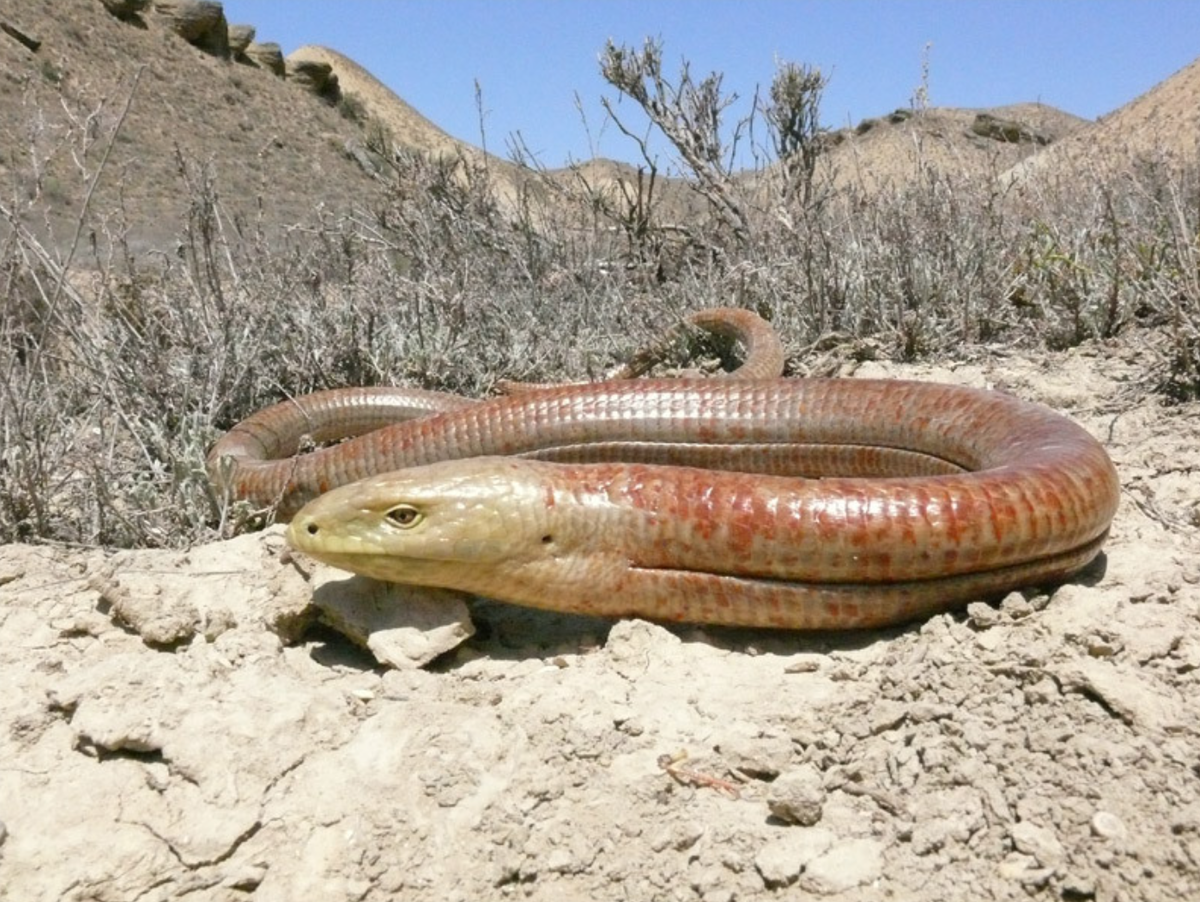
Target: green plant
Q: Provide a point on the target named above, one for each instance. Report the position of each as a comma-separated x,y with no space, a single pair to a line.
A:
350,107
52,72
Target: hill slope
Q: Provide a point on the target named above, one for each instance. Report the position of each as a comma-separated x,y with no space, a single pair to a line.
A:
408,127
276,151
1164,122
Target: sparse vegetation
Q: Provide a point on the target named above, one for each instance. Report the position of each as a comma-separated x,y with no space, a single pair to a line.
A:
51,72
120,367
352,108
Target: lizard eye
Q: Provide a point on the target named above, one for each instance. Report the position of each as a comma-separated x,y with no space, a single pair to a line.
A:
405,516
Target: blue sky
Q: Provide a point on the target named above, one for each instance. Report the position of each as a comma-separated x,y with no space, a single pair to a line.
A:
532,57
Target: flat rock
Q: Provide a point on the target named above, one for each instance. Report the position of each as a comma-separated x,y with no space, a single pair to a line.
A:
402,626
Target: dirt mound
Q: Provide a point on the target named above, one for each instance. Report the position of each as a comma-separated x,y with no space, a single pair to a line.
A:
180,724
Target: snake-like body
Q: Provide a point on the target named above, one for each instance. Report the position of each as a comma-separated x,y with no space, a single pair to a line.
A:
805,504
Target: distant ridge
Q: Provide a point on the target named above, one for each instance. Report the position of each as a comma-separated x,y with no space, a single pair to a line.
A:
891,150
409,128
1163,122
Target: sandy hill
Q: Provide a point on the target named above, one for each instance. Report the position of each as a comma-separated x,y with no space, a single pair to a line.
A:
891,150
1164,122
408,127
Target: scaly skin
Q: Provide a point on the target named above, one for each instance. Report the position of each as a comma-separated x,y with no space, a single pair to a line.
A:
255,460
1020,496
824,504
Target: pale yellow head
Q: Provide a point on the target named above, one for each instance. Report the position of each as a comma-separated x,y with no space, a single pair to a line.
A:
446,524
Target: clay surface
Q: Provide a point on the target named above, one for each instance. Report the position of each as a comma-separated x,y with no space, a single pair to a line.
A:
194,725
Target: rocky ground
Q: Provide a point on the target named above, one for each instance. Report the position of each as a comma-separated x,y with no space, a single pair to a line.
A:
180,725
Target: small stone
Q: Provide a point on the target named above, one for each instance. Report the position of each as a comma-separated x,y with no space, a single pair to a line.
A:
848,864
1078,886
760,759
1015,867
982,616
1015,606
804,664
925,712
1124,692
887,715
1037,841
247,878
781,860
160,621
684,836
1040,602
559,861
402,626
1042,692
627,722
1107,825
679,837
797,797
1102,646
3,833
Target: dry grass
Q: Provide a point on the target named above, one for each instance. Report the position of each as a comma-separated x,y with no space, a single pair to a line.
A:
119,367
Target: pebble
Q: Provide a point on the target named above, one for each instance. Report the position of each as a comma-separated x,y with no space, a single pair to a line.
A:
1107,825
246,878
402,626
3,833
797,797
781,860
983,616
801,664
1015,606
1102,646
760,759
1037,841
887,715
1078,886
849,864
1043,691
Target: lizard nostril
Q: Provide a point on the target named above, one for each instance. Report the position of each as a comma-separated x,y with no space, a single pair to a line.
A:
312,529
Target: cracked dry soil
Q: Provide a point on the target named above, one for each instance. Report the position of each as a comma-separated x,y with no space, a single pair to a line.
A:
176,727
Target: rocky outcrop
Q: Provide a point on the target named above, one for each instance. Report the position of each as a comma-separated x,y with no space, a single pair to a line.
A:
240,37
125,10
1009,131
20,37
315,77
268,55
199,22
